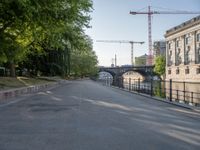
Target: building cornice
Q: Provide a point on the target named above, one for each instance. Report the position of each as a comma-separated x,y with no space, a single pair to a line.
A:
186,25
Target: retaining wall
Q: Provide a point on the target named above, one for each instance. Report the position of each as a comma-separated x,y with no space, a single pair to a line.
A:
12,93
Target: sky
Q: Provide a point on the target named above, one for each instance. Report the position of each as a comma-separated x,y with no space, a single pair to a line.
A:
111,21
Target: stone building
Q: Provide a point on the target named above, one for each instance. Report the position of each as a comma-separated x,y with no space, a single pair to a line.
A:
159,48
183,61
183,51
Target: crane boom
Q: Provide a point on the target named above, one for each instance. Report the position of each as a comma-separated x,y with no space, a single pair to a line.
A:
150,13
120,41
123,41
164,12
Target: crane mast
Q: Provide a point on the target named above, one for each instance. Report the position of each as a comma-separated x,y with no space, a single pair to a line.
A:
150,13
123,41
150,56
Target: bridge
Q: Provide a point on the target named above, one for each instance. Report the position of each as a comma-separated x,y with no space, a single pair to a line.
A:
117,72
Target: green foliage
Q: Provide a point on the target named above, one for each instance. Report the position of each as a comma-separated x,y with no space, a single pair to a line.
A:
45,36
84,63
160,64
159,89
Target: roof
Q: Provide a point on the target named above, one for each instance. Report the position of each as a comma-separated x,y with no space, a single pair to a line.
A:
190,23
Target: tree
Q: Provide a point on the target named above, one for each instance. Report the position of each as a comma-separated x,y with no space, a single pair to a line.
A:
160,64
84,62
41,25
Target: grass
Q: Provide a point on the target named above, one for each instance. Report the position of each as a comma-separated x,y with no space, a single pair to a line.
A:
9,83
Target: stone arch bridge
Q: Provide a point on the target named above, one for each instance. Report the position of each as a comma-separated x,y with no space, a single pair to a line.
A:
117,72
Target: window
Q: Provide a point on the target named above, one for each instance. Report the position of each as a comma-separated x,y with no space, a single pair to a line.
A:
198,37
187,40
198,55
177,71
178,57
187,55
169,45
177,43
198,70
187,71
169,71
170,58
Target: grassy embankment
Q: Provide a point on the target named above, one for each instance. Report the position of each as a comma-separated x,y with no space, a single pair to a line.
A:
10,83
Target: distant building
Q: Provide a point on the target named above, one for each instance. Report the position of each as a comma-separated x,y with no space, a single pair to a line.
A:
141,60
159,48
183,51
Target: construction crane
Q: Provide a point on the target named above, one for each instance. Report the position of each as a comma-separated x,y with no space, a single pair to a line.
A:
150,13
123,41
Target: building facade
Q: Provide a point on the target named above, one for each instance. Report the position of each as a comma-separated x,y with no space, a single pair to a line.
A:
159,48
141,60
183,51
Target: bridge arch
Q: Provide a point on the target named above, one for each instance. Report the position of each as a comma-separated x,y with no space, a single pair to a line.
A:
117,72
145,75
133,75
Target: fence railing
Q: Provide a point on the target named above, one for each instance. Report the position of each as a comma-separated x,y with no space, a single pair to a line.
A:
184,92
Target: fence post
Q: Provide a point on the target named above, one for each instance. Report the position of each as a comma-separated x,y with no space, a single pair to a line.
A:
184,91
177,95
119,81
170,89
151,87
164,85
139,85
122,82
192,97
106,81
115,80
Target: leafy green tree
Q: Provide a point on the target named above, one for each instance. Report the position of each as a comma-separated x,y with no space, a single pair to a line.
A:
41,25
160,64
84,62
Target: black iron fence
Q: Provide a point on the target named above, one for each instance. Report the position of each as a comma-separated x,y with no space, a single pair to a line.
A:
183,92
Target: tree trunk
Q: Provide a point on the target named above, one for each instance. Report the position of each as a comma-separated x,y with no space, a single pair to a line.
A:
12,69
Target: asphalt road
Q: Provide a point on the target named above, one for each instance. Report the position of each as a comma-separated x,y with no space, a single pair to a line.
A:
84,115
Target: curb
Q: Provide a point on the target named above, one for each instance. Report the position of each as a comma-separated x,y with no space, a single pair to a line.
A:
13,93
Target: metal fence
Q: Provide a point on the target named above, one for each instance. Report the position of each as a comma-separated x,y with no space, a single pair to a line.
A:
183,92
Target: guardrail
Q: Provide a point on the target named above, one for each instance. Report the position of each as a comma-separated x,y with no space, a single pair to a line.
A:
183,92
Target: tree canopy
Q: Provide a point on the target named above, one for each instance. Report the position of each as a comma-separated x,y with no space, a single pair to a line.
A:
46,35
160,63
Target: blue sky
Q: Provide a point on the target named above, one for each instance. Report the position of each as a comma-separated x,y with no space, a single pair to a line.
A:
111,21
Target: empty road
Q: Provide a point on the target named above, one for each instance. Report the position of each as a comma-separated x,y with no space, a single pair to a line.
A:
84,115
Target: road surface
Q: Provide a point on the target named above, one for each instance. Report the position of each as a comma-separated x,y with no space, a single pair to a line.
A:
84,115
